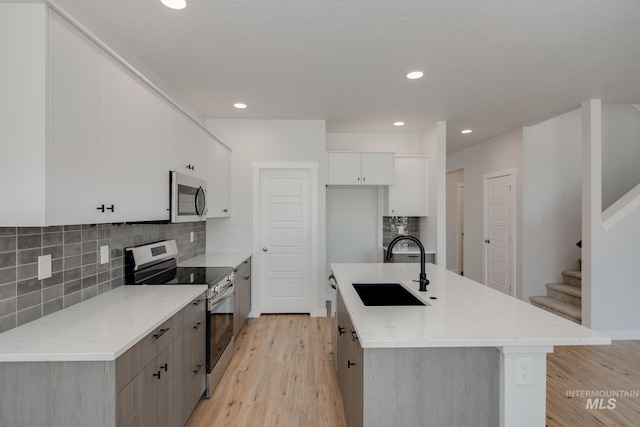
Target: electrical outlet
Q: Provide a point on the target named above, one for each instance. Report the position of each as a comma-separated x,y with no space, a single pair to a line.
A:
191,236
524,371
44,267
104,254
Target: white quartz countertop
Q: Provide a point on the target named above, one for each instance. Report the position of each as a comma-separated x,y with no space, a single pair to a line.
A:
211,259
465,313
98,329
409,250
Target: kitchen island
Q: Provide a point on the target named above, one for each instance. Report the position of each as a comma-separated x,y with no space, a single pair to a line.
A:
471,357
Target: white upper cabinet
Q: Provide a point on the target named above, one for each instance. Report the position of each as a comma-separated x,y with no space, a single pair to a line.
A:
75,126
155,116
408,195
87,141
219,181
350,168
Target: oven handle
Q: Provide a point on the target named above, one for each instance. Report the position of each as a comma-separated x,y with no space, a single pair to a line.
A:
228,293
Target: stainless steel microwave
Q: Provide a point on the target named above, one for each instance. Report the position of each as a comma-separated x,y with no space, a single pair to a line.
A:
188,198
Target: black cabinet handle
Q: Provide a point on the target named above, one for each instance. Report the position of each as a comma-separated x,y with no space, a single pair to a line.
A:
225,210
191,167
100,208
246,278
235,270
165,367
350,364
340,330
157,374
198,301
354,336
160,333
111,208
196,326
198,367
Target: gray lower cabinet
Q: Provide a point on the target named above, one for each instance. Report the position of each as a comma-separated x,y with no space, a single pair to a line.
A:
384,387
242,302
146,386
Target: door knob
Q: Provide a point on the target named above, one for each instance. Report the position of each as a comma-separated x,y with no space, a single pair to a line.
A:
487,241
265,249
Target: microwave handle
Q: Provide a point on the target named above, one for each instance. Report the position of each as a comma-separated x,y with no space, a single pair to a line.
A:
204,195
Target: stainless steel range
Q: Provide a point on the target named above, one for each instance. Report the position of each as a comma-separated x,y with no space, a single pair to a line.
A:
156,264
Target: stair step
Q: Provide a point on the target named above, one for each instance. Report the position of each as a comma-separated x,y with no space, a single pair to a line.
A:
572,277
565,293
559,308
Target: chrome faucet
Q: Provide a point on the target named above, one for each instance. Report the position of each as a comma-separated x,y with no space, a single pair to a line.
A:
423,276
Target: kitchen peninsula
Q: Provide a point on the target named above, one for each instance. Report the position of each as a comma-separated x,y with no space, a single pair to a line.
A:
471,357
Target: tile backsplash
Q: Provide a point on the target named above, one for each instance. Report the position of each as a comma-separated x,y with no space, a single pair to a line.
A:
391,224
77,274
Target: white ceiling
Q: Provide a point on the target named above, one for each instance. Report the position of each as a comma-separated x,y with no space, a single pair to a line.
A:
492,66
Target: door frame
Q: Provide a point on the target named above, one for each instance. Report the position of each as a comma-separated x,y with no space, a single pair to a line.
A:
256,264
460,228
511,173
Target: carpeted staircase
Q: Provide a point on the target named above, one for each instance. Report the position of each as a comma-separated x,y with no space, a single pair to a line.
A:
564,299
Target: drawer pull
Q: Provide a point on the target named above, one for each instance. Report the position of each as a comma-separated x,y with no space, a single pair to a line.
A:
198,301
196,326
160,333
350,364
197,370
354,336
246,277
340,330
235,270
157,374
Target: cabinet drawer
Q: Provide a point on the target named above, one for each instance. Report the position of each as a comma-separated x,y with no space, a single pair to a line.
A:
194,311
137,357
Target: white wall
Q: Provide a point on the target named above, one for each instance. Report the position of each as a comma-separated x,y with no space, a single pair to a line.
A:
620,151
501,153
433,143
266,141
610,273
399,143
453,179
551,208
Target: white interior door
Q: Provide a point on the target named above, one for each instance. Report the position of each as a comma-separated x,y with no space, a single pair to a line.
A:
285,227
498,233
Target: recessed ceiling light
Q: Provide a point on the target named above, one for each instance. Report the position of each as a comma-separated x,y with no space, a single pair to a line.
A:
415,75
175,4
240,105
398,123
466,131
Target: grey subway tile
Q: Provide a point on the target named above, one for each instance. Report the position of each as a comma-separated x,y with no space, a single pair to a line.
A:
72,287
29,230
28,256
89,270
72,299
7,322
8,291
28,286
27,271
72,237
8,275
90,234
7,243
103,287
72,249
56,252
91,246
28,315
7,307
72,274
72,228
53,229
8,231
104,276
72,262
55,279
89,293
7,259
53,292
89,281
57,265
52,306
29,241
29,300
52,239
89,258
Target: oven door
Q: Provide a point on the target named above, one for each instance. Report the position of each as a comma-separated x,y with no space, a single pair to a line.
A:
188,198
219,326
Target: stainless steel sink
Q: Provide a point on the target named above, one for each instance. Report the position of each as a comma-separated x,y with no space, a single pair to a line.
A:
385,294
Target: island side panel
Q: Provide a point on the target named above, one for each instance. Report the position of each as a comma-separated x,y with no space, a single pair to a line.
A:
444,386
70,394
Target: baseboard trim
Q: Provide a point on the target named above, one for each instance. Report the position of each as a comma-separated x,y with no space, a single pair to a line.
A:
622,335
319,312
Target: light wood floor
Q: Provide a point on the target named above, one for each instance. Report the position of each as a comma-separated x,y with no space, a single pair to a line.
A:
282,374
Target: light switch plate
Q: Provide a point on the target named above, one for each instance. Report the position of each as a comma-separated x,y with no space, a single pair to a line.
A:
44,267
104,254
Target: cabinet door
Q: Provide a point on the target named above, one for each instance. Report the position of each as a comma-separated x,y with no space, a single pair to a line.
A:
75,124
137,402
242,299
219,180
377,168
120,142
168,404
154,151
407,196
343,168
184,144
